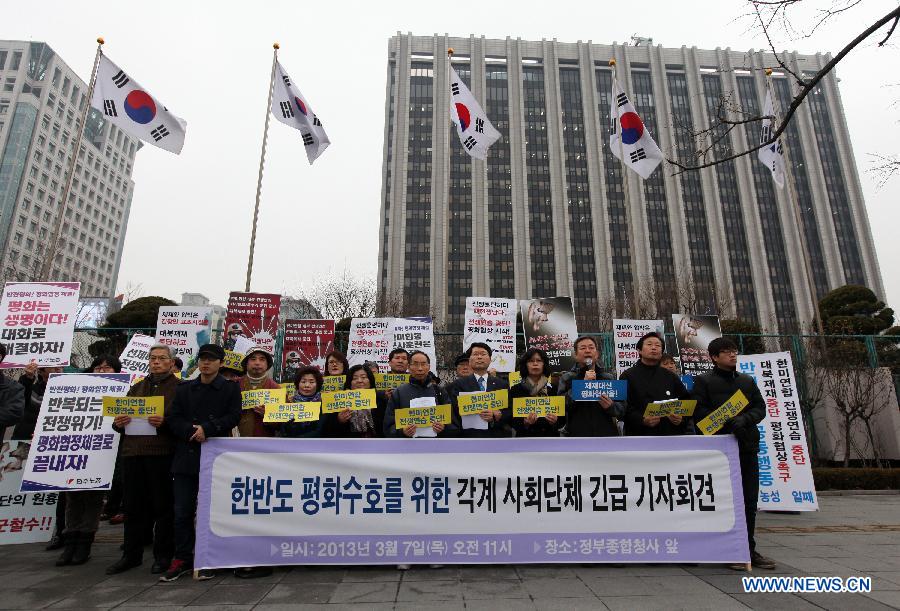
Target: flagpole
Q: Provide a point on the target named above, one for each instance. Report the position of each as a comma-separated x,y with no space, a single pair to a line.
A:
795,208
47,267
262,161
634,287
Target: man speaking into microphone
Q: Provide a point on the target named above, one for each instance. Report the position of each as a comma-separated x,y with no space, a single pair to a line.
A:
589,418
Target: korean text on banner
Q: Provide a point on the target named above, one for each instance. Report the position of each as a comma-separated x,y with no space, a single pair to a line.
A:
293,412
423,416
626,333
233,360
592,390
471,403
492,321
133,407
624,499
785,472
549,324
263,396
539,406
673,407
135,358
24,518
306,344
692,336
718,417
254,316
412,334
333,383
387,381
333,402
368,341
74,445
184,329
38,323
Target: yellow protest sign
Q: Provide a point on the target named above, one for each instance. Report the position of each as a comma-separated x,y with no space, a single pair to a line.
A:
514,378
135,407
333,383
716,420
348,399
421,416
263,396
674,407
477,402
540,406
289,389
233,360
296,412
387,381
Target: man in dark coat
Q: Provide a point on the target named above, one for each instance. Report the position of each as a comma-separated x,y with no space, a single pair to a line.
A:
648,381
589,418
12,399
711,391
499,421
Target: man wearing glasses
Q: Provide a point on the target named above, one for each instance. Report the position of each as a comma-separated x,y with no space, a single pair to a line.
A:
713,389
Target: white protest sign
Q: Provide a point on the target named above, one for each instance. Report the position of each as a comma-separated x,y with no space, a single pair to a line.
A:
135,358
24,518
412,334
184,329
626,333
492,321
38,321
368,341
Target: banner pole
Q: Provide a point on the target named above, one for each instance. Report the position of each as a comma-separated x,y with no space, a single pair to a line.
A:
47,267
262,161
795,209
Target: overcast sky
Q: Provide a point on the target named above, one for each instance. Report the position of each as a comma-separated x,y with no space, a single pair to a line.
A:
191,214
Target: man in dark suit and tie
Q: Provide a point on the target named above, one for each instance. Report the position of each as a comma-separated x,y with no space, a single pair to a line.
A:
498,421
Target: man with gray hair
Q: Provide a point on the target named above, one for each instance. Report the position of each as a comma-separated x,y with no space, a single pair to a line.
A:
146,471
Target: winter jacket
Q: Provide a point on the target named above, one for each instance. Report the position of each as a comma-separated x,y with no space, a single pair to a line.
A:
251,424
12,403
215,406
405,393
34,395
163,443
541,427
646,384
713,389
333,427
588,418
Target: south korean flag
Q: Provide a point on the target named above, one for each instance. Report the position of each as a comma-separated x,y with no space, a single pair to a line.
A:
291,108
475,130
128,106
772,155
629,137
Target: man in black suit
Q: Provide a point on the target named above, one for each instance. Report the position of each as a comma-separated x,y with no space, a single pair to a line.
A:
480,380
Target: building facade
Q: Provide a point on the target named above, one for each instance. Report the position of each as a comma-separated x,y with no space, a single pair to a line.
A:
41,103
550,211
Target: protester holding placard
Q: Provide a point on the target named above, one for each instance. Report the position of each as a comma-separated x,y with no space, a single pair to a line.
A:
648,381
34,381
207,406
308,383
711,391
146,460
534,367
83,507
421,386
360,423
589,418
498,421
256,363
12,399
336,364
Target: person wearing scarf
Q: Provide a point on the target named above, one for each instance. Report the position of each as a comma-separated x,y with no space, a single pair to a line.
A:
256,366
534,366
360,423
309,383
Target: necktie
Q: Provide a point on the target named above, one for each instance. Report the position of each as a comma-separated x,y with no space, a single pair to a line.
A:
481,383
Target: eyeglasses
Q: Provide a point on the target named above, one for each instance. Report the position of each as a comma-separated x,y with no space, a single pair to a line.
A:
730,352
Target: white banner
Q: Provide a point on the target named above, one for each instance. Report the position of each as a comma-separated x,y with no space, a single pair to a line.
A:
74,446
368,341
135,358
492,321
626,333
184,329
785,473
24,518
412,334
38,323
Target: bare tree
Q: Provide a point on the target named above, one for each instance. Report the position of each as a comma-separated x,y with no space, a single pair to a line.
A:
339,296
859,395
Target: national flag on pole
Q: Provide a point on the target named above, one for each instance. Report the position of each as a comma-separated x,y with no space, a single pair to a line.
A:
128,106
772,155
291,108
475,130
629,137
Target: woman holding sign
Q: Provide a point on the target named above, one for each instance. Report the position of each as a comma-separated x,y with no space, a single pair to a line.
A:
361,422
308,382
534,367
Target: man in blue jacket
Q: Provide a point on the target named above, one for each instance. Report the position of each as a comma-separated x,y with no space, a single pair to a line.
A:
207,406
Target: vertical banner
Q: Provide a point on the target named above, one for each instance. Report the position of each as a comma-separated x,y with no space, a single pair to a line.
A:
492,321
254,316
24,518
306,343
412,334
38,323
785,469
368,341
135,358
74,446
692,335
549,324
184,329
626,333
273,502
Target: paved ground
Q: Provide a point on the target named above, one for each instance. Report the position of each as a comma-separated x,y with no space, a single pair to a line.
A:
850,536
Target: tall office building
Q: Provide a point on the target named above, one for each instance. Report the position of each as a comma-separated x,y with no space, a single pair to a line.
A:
41,102
548,213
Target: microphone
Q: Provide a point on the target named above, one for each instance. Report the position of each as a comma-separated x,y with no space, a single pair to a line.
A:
589,363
